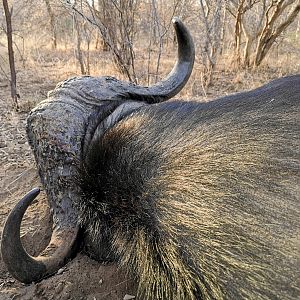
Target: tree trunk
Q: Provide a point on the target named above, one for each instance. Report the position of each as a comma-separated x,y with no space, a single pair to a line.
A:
52,24
238,32
13,76
78,50
270,34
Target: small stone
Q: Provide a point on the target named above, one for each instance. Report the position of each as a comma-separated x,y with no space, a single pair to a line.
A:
101,281
59,288
60,271
128,297
10,281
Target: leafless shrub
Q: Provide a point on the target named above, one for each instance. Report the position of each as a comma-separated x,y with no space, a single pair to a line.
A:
259,24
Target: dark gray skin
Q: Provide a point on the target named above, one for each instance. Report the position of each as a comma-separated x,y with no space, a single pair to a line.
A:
197,200
57,129
201,200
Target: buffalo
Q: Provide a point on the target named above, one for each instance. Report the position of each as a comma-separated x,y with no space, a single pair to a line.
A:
195,200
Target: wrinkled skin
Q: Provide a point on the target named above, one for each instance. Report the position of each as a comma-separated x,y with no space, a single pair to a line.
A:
197,200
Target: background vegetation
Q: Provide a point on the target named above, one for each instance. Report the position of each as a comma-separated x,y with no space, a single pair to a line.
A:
238,42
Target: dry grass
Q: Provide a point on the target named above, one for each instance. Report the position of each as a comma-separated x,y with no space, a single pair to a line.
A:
40,68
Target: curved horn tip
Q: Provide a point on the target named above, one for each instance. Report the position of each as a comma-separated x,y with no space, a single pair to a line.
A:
35,191
30,196
10,242
178,77
20,264
177,24
176,20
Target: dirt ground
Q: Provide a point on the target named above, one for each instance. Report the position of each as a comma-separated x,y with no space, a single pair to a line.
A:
81,278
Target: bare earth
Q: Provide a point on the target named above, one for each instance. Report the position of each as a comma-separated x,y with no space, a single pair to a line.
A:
81,278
